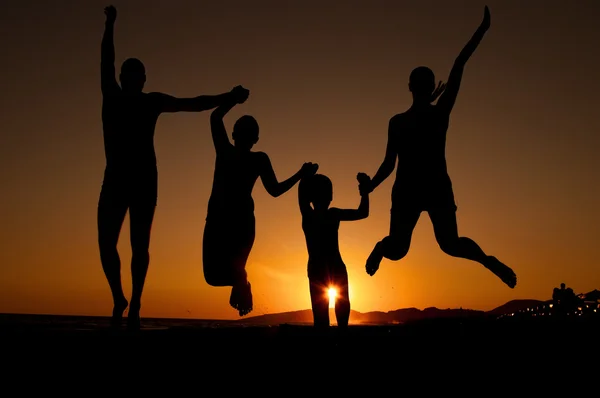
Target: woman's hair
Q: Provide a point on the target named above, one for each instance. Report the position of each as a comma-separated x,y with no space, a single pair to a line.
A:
316,188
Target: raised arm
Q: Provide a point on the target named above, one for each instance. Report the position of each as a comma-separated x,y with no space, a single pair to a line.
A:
389,162
217,127
363,208
108,81
276,188
448,98
303,197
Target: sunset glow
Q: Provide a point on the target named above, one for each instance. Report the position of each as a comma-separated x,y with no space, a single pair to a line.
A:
332,293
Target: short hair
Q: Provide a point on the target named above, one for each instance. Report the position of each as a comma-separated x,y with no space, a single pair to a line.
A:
133,66
247,126
317,186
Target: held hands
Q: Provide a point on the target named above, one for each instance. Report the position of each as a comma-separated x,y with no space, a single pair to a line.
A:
308,169
485,24
240,94
111,14
364,184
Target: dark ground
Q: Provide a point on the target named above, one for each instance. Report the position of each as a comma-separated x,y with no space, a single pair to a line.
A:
521,357
219,336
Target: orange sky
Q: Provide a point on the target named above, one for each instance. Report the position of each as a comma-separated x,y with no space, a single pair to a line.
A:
520,150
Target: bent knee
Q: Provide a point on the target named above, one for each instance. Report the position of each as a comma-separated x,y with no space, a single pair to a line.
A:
212,276
217,281
395,248
216,278
219,276
449,245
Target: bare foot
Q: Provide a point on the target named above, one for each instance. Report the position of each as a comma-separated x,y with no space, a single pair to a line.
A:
374,259
502,271
241,298
234,298
246,304
119,308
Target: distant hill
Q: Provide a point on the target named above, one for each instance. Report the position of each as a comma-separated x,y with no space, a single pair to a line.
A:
594,295
411,314
302,316
403,315
376,317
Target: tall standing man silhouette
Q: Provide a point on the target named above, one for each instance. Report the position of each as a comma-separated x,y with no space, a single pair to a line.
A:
130,178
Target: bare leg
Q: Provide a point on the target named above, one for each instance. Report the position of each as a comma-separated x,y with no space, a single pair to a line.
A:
241,296
216,255
320,304
342,306
395,246
111,214
242,243
227,243
141,217
446,234
241,291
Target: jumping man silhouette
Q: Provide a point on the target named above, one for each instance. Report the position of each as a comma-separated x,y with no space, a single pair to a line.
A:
417,139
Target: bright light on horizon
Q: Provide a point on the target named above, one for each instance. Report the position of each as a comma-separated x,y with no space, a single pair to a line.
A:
332,293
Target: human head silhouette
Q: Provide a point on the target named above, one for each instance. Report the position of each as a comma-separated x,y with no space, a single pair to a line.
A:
133,75
562,286
320,191
421,83
245,132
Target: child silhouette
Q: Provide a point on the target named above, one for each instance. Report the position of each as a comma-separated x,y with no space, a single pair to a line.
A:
320,224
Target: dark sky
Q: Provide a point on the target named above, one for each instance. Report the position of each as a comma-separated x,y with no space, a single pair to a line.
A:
325,78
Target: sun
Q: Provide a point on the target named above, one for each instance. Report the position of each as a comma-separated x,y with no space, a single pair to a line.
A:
332,293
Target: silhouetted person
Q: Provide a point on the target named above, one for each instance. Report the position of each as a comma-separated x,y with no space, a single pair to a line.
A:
230,226
320,224
558,294
417,138
565,299
130,179
570,300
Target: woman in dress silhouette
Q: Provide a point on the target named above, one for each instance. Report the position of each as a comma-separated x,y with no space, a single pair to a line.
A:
230,225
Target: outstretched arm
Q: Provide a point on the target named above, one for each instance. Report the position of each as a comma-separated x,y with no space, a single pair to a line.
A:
217,127
389,162
276,188
448,98
170,104
303,198
108,81
363,208
354,214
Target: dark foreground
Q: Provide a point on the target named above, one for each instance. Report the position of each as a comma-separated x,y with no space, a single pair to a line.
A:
221,336
49,353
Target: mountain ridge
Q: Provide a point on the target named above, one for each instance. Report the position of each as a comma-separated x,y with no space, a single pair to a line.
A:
401,315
